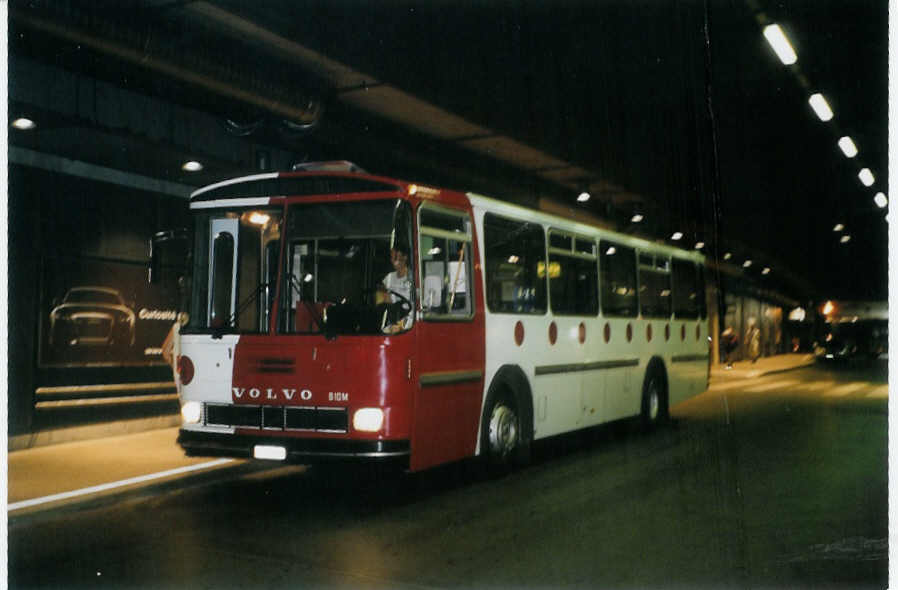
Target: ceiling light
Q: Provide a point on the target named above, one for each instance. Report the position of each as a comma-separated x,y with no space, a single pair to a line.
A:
780,43
583,197
847,146
191,166
838,227
821,107
746,264
845,239
766,270
676,235
257,218
728,255
866,177
699,245
880,200
636,218
24,124
611,251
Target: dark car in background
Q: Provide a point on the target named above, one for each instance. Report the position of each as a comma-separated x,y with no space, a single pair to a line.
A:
91,317
856,340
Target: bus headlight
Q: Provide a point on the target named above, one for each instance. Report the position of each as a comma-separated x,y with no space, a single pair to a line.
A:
191,412
368,419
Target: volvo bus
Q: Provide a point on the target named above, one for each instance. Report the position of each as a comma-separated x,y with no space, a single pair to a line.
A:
511,325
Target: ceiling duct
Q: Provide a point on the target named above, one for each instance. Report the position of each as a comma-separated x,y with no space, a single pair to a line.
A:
302,109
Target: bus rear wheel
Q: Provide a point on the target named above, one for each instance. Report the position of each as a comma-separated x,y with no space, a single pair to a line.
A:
654,400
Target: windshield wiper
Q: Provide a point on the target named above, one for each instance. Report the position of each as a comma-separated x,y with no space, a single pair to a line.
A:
219,331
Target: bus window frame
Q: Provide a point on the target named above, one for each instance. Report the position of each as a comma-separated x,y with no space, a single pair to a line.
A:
468,238
573,253
605,241
545,258
655,269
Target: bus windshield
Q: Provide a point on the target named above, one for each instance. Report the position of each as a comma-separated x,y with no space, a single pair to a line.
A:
348,268
235,269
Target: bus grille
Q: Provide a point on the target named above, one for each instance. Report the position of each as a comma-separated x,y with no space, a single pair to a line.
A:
317,419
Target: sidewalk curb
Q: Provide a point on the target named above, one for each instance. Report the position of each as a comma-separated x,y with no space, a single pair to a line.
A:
749,374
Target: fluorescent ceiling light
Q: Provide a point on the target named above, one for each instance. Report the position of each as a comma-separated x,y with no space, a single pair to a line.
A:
838,227
583,197
636,218
847,146
766,270
866,177
191,166
699,245
845,239
728,255
780,43
24,124
821,107
746,264
676,235
880,200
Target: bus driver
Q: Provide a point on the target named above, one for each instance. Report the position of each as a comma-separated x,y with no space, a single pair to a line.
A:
398,281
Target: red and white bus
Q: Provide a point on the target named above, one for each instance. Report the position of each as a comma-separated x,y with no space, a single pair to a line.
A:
514,325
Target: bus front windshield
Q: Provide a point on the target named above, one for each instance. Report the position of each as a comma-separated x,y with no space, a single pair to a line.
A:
348,268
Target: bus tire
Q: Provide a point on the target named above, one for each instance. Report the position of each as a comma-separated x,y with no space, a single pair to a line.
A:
655,409
507,426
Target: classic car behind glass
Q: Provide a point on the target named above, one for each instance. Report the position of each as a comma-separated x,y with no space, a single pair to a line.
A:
91,317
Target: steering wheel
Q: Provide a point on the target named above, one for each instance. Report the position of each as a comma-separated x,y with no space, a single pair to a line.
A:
396,311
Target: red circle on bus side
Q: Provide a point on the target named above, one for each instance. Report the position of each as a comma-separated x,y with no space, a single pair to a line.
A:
553,333
629,332
683,332
519,333
648,332
581,333
185,369
607,333
667,332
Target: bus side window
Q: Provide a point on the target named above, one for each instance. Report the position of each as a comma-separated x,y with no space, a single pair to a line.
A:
618,264
654,286
515,265
573,275
445,241
688,297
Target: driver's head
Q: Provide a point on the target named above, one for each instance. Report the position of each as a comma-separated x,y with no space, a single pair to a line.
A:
399,258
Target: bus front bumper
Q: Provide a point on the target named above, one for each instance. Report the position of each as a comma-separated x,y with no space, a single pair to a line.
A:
298,450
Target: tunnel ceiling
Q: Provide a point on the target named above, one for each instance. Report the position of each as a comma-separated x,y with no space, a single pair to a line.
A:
676,110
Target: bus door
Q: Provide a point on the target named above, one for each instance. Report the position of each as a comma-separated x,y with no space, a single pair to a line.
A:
451,345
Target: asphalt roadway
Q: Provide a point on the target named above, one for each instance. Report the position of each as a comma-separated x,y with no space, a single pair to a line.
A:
772,480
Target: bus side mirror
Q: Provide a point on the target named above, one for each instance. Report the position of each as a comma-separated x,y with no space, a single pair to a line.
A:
154,269
169,255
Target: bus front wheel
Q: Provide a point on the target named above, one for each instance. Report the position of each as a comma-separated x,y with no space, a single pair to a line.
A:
503,440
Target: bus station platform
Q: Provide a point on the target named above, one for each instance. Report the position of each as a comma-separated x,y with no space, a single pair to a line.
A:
67,473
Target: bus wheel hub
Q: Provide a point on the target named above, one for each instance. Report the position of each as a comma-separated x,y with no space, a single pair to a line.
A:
503,430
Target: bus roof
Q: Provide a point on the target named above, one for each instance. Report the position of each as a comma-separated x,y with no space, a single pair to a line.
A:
322,178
